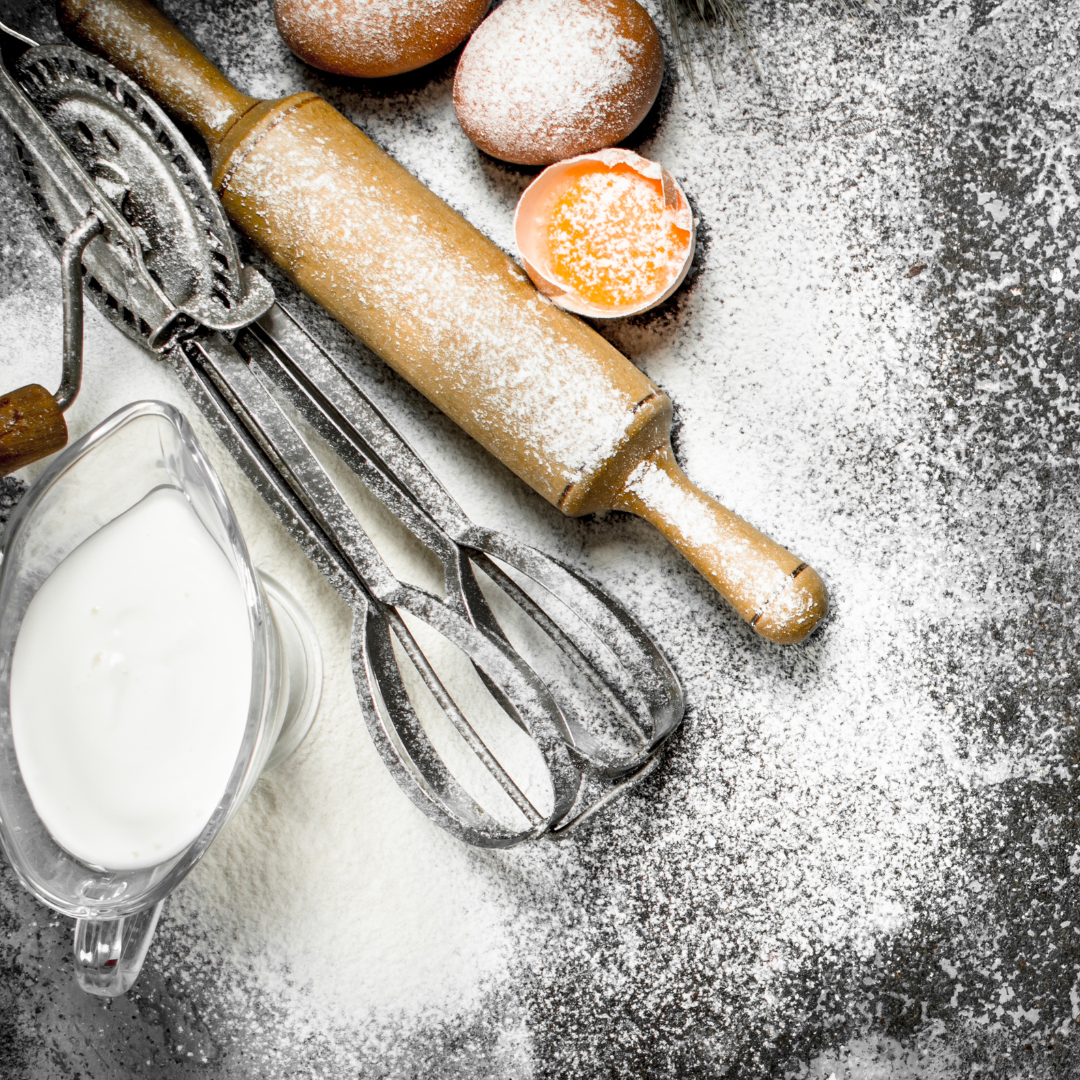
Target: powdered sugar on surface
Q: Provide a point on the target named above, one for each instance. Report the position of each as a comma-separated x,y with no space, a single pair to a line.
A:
860,857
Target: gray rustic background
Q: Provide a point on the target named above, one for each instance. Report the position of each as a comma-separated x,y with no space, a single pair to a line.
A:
862,856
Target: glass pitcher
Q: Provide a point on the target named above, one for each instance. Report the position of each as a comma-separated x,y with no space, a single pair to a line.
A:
141,448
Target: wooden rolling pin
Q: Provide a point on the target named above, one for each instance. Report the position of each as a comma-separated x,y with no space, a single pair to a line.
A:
450,312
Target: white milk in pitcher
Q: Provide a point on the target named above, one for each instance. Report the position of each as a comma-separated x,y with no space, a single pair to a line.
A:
130,687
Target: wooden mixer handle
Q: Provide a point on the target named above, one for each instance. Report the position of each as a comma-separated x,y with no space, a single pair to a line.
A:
161,59
32,426
781,597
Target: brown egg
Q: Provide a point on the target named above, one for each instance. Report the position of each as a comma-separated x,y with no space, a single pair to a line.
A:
544,80
370,39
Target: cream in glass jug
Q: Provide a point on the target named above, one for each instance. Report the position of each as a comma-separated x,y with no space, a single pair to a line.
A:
147,676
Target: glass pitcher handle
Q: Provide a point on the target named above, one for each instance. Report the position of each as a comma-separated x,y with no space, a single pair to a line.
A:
109,953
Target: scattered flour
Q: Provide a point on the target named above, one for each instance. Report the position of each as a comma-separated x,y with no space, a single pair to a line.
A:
842,834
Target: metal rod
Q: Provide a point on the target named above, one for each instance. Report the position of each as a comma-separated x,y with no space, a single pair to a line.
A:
71,278
458,718
560,832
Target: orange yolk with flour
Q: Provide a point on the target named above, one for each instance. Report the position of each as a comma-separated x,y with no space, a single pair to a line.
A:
612,238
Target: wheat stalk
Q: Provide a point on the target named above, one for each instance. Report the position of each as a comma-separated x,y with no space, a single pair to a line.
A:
710,20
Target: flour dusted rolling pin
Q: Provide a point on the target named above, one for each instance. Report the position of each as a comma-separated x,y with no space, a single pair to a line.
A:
450,312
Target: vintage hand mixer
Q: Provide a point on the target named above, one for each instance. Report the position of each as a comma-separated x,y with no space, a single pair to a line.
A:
161,263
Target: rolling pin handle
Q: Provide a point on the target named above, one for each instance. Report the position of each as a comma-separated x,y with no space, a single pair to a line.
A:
781,597
136,37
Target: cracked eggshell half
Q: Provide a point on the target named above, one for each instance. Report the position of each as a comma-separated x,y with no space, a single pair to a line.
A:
539,201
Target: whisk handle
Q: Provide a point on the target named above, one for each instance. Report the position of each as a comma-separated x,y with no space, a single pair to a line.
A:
31,427
156,55
781,597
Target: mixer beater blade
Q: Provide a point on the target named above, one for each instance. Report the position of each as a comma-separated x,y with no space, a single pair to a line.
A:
622,672
519,691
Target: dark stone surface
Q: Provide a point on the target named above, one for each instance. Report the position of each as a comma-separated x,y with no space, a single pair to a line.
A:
1001,465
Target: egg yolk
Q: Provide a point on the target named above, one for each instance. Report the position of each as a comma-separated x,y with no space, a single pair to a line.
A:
613,240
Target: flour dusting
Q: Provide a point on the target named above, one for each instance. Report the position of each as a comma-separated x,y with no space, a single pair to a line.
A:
860,856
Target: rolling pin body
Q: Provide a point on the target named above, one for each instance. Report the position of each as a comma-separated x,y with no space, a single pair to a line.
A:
450,312
430,295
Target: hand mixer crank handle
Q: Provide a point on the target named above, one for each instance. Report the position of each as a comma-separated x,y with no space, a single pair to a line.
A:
32,424
71,277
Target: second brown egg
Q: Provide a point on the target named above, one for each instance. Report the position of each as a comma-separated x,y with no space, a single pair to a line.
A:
545,80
